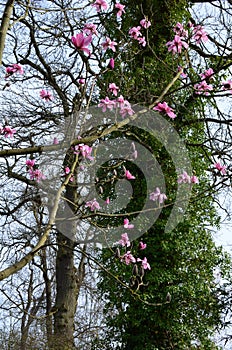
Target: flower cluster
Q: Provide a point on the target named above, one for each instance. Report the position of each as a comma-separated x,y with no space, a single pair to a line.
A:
158,196
164,108
136,34
34,172
67,171
203,88
199,34
93,205
7,131
145,23
182,36
128,258
180,31
14,68
187,179
124,106
83,150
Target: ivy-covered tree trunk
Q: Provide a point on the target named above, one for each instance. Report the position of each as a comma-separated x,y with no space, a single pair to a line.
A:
66,294
183,260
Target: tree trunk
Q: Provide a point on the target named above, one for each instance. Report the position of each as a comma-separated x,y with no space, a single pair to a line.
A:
66,295
68,280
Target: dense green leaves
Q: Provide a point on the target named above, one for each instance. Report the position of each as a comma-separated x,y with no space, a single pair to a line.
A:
183,261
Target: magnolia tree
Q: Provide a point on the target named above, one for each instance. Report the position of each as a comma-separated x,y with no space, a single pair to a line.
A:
77,172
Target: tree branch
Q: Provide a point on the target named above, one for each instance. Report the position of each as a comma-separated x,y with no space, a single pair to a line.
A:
5,25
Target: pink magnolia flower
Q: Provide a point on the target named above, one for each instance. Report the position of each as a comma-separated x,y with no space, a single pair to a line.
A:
180,31
194,179
199,34
14,68
134,32
46,95
109,44
84,150
203,88
176,45
8,131
113,88
145,264
164,108
184,178
30,163
126,224
100,5
207,74
111,63
90,28
55,141
36,175
128,258
107,200
158,196
120,101
120,9
67,170
93,205
124,241
142,41
81,81
227,85
145,23
106,104
81,42
126,109
221,168
142,246
128,175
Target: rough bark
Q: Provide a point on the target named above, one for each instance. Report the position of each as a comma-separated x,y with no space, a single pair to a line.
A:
66,297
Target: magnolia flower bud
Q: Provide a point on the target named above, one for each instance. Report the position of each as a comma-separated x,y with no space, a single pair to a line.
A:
111,63
168,297
117,253
141,272
135,270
